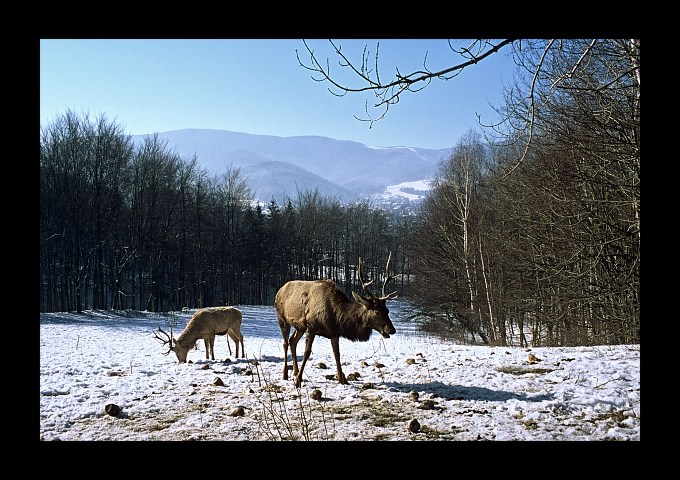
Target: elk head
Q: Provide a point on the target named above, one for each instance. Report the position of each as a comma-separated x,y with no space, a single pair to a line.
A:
376,305
172,343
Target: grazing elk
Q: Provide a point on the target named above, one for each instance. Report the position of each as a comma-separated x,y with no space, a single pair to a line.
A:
205,324
319,307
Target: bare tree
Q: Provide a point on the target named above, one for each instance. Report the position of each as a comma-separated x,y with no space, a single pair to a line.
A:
367,72
545,68
447,240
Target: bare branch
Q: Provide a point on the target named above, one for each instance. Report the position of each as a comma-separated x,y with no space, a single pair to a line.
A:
388,93
532,111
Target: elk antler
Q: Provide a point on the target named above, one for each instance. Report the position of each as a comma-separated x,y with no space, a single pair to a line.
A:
361,279
388,277
166,340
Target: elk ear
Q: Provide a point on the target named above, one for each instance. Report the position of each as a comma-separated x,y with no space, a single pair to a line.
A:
362,300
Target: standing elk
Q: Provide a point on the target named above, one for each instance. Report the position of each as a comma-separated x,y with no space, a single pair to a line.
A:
205,324
319,307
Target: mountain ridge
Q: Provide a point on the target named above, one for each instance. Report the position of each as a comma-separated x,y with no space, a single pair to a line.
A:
281,167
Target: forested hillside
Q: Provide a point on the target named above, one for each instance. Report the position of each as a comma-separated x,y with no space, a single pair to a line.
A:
144,229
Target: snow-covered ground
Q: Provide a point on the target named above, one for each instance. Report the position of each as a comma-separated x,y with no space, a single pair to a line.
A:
407,387
402,190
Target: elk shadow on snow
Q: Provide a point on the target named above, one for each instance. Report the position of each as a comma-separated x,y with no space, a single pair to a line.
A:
226,361
271,358
460,392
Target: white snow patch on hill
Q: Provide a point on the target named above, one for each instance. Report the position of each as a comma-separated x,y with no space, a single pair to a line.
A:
410,190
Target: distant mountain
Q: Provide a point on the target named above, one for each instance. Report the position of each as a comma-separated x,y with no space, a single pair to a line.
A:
280,167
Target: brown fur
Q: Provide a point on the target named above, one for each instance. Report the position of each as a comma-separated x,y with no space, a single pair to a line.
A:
319,307
205,324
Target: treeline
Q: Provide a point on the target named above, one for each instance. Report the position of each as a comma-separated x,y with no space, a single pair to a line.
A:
533,234
139,227
538,232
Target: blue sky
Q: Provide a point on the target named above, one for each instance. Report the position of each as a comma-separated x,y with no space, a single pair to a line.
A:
257,86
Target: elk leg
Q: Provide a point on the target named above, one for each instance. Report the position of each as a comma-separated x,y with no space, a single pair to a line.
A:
285,332
206,341
229,345
293,341
308,351
243,348
231,335
237,338
335,343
